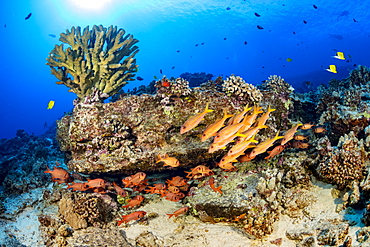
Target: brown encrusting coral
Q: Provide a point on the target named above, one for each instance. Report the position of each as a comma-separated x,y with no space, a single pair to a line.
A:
345,163
101,58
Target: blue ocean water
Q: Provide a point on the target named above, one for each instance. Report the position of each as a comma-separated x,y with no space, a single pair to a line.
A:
218,37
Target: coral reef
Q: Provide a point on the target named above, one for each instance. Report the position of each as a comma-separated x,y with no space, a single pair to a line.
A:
344,164
23,160
101,58
244,93
82,210
127,135
345,105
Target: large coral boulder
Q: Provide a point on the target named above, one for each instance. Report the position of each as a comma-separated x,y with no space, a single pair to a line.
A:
127,135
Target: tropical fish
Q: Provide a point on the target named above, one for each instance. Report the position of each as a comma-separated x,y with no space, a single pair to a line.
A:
256,14
59,175
300,137
227,132
220,145
262,120
173,189
176,181
340,56
179,212
289,134
139,78
160,71
332,68
259,27
242,146
156,189
275,151
50,104
319,130
245,42
228,8
119,190
250,132
52,35
305,22
134,216
298,144
238,117
213,128
263,146
230,158
289,59
174,197
28,16
211,183
193,121
96,183
168,161
227,166
249,120
307,126
134,180
77,186
136,201
314,6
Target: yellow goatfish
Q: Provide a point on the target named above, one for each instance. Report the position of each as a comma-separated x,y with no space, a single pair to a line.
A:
220,145
340,55
262,120
332,68
213,128
242,146
263,146
289,135
193,121
250,132
227,132
230,158
238,117
51,104
249,120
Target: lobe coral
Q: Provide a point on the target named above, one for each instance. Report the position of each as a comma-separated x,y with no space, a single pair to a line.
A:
100,58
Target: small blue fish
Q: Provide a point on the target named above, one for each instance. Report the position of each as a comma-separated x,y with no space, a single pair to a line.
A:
52,35
28,16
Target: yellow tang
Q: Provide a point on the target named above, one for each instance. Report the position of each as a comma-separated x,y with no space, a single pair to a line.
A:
289,59
51,104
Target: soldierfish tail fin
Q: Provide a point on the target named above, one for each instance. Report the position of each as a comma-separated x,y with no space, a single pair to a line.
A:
218,189
48,170
159,158
170,215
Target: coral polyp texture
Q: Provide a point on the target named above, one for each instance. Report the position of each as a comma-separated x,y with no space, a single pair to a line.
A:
101,58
